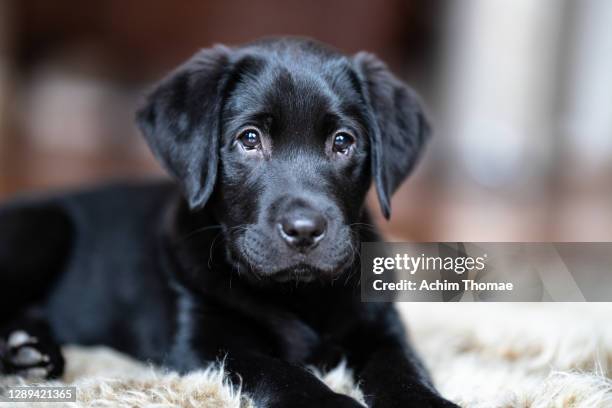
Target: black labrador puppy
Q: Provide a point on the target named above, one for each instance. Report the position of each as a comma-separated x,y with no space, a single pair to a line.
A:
253,259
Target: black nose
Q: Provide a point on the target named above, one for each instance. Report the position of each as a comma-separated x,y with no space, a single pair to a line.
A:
302,229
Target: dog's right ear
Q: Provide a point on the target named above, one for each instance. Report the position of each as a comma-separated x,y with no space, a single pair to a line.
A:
181,122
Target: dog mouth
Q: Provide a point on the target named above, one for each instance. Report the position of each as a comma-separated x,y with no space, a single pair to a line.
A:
263,259
298,268
299,273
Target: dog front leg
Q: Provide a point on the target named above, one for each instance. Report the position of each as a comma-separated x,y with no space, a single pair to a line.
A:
275,383
393,376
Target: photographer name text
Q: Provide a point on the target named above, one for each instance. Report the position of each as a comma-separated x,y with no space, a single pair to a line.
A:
466,284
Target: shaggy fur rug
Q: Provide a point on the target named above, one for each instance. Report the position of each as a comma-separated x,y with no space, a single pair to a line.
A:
481,355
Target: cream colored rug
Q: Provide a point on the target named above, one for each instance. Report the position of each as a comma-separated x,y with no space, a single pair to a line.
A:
481,355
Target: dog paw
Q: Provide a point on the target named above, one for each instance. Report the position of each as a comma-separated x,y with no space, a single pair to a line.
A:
29,356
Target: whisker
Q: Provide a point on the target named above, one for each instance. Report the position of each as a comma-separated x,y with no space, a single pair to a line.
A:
199,230
363,225
210,252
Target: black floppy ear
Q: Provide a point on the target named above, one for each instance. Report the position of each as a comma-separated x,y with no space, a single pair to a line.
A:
181,122
398,127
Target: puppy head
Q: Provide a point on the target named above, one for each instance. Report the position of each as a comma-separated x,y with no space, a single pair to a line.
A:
280,139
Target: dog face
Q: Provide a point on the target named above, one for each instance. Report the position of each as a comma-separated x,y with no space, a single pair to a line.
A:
280,139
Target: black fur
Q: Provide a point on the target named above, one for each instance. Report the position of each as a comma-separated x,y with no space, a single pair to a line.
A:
188,279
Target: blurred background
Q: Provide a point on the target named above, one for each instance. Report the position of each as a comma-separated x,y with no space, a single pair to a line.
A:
519,92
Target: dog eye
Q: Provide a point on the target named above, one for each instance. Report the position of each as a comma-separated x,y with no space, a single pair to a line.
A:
250,138
342,142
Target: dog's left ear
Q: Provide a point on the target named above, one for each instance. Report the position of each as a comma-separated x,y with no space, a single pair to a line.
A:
398,127
181,122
